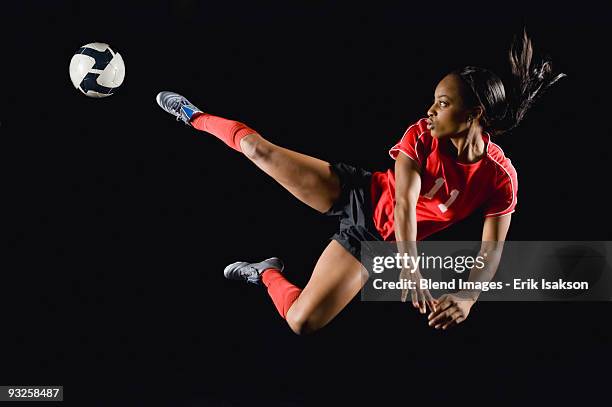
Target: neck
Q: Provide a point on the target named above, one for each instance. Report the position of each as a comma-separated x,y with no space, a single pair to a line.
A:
470,147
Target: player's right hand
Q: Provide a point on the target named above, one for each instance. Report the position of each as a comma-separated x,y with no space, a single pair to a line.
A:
421,298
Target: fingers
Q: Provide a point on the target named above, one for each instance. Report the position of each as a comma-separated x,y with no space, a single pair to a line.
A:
404,279
422,305
448,312
454,320
444,310
441,318
450,317
426,300
419,300
431,301
404,295
441,305
447,325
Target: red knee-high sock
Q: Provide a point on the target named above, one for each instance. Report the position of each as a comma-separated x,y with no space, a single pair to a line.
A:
229,131
282,292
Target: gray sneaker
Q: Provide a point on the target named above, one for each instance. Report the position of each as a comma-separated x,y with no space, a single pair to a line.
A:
177,106
251,272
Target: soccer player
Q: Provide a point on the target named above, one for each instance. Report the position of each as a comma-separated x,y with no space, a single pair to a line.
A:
446,167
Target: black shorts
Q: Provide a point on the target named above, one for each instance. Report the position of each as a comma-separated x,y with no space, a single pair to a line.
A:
354,207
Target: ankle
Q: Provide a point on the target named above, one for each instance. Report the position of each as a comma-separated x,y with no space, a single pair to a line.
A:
270,275
195,115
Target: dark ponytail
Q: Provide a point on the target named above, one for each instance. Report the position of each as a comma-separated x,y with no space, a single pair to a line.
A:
531,80
504,111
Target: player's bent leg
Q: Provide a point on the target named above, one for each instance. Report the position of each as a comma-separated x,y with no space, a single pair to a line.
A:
309,179
336,279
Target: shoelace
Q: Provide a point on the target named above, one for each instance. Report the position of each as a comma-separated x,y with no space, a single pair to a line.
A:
177,107
174,105
253,275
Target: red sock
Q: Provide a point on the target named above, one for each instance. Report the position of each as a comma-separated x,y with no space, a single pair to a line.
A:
282,292
229,131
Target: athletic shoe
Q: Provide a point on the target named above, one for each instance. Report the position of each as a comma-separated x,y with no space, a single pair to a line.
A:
177,106
251,272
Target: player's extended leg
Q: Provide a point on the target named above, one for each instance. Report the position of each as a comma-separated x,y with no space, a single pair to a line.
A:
309,179
336,279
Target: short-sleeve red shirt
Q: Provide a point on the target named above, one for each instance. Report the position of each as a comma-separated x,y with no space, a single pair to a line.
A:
450,191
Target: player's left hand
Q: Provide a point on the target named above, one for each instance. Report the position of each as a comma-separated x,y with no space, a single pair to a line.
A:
451,309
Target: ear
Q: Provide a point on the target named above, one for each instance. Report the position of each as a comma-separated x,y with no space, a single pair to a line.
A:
477,113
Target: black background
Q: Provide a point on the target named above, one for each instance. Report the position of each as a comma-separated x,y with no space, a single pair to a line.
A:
120,219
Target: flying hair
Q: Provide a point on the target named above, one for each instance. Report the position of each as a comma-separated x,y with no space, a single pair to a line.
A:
504,110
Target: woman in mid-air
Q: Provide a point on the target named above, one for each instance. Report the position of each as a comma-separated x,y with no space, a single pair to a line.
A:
446,167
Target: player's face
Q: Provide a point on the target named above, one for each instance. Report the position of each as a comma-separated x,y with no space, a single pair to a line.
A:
448,116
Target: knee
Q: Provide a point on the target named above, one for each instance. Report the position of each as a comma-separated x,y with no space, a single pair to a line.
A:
302,323
255,147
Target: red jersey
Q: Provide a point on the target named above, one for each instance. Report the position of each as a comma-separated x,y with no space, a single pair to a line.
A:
450,191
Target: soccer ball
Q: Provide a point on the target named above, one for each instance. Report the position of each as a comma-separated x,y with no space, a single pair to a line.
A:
97,70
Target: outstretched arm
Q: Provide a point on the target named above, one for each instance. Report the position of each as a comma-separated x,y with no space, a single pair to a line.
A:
407,189
453,309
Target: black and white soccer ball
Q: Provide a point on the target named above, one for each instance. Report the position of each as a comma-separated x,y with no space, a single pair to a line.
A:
97,70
